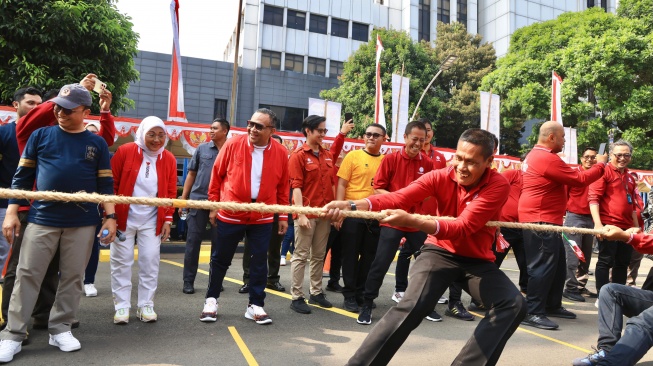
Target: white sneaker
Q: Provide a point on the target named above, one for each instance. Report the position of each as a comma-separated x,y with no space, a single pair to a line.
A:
283,261
121,316
443,300
65,341
257,314
8,349
146,314
596,304
210,311
90,290
397,296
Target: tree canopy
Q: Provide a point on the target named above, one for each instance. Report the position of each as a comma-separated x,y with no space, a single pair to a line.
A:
50,43
452,102
605,62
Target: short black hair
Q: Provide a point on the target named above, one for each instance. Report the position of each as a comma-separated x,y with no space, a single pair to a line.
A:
311,122
19,95
414,124
277,137
592,148
425,121
482,138
377,126
271,114
223,122
50,94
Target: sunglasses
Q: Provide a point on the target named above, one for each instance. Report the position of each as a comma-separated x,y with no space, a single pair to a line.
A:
66,111
322,131
372,135
257,126
625,156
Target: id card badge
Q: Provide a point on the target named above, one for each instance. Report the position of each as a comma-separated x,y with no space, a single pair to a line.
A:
630,199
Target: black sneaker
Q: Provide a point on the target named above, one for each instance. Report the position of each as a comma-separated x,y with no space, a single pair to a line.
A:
320,299
434,316
365,316
476,307
585,292
300,306
188,287
561,313
244,289
574,296
350,304
334,287
458,311
539,321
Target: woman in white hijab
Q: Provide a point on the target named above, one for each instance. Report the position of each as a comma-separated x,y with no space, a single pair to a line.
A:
142,168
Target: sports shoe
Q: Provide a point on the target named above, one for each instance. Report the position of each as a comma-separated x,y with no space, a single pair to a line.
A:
458,311
121,316
561,313
8,349
397,296
334,287
320,299
596,304
283,261
365,316
300,306
434,316
585,292
539,321
244,289
90,290
65,341
573,296
591,359
443,300
146,314
210,311
350,304
257,314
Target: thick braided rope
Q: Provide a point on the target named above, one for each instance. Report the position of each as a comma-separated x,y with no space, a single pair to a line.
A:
253,207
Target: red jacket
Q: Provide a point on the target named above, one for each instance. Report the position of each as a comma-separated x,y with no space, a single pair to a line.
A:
467,235
544,181
609,193
126,164
231,180
335,150
509,211
577,198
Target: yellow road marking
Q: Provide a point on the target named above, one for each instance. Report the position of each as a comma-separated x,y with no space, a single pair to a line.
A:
243,347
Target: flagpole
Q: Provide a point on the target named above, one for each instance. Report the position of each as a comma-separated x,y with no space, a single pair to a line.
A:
234,75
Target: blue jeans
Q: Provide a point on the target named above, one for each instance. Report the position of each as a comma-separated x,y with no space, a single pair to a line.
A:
222,253
615,301
288,243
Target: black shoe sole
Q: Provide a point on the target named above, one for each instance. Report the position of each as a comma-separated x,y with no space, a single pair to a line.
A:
301,311
188,291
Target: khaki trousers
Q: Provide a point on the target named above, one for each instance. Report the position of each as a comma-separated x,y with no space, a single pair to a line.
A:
311,242
39,246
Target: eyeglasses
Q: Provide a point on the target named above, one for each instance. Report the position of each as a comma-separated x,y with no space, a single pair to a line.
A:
589,157
373,135
322,131
624,156
160,136
257,126
66,111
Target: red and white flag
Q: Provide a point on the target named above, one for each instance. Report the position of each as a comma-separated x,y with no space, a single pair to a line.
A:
556,99
379,113
176,95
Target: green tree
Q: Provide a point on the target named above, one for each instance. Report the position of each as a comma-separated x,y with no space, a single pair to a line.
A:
604,60
50,43
453,99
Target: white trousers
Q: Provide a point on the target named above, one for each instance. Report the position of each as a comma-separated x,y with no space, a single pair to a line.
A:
122,259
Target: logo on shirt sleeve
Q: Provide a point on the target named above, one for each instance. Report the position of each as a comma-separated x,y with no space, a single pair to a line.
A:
91,153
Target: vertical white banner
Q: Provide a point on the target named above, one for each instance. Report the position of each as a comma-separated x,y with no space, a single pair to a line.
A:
490,114
379,111
556,97
330,110
399,106
570,152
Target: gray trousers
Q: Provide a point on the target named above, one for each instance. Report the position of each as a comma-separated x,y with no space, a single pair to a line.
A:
40,244
4,245
576,270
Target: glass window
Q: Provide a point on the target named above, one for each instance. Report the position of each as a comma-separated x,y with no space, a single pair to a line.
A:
273,15
444,9
294,63
270,60
290,119
360,32
318,24
316,66
424,15
339,28
220,108
296,20
462,12
590,3
335,69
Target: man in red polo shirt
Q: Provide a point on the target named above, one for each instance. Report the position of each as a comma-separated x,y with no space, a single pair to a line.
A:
612,201
543,200
456,250
310,169
397,171
578,215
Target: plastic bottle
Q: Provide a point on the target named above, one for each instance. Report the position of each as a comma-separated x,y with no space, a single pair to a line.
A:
183,214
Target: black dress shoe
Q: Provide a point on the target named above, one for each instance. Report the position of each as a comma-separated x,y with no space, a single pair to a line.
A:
334,287
539,321
561,313
585,292
574,296
277,286
244,289
188,287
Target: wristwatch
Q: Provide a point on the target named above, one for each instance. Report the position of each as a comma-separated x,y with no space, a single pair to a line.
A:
352,206
111,216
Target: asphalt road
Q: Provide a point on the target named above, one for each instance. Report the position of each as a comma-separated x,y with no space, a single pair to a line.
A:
325,337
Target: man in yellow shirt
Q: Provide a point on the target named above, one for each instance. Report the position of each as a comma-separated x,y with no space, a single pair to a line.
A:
360,236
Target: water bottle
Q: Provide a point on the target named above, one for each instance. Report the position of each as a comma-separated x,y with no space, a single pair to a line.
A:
104,234
183,214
